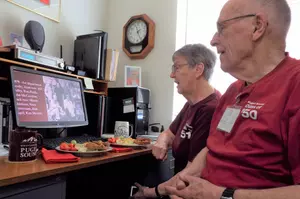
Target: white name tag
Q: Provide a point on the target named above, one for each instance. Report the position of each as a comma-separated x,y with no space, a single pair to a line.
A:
228,119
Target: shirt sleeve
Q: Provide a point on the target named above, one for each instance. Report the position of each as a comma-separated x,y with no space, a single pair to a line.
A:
200,131
291,131
293,146
176,123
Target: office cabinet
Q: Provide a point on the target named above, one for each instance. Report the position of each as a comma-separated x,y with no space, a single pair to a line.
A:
45,188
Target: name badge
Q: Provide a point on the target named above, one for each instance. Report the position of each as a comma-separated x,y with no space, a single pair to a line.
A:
228,119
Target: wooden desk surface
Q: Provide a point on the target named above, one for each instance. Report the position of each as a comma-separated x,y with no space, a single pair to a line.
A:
12,173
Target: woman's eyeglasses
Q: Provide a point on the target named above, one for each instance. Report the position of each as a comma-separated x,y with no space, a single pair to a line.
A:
176,67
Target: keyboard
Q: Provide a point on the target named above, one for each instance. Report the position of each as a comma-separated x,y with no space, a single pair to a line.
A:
52,143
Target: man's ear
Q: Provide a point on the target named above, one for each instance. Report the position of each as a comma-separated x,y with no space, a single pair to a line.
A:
199,70
260,25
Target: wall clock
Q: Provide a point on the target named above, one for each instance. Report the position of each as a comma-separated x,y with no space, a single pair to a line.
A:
138,36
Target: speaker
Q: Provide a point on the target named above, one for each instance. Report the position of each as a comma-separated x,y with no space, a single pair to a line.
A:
35,35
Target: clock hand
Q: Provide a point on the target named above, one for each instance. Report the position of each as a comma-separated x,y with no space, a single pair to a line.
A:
139,35
137,31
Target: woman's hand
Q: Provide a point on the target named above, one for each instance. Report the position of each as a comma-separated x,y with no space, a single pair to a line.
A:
160,148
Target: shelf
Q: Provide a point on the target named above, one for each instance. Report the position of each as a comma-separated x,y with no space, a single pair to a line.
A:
100,86
35,67
94,92
3,49
86,91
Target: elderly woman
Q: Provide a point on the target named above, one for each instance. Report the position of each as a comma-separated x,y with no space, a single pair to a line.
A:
192,69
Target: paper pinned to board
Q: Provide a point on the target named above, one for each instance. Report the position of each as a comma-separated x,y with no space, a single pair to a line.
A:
88,83
128,108
128,105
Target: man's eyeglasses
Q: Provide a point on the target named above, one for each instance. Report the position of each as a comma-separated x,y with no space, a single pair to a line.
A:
221,25
176,67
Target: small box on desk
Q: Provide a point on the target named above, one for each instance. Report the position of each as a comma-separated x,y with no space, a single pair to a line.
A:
112,58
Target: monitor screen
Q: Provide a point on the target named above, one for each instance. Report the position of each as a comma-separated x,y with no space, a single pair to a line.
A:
46,100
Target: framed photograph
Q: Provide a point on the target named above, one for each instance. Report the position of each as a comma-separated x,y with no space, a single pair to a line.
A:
47,8
133,76
16,39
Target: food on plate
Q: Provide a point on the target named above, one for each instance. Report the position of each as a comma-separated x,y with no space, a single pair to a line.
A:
112,140
81,148
121,140
125,141
74,142
129,141
95,146
68,147
88,146
142,141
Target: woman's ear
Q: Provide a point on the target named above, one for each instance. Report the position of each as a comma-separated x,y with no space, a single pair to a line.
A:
199,70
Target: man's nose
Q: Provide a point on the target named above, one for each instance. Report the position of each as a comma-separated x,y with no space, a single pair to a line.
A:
214,41
172,74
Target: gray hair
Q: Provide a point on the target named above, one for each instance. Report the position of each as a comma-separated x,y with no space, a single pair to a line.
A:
197,54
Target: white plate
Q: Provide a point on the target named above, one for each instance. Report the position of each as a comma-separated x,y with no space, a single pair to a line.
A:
86,153
129,145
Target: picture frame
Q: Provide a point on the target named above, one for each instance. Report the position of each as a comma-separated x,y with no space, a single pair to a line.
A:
47,8
133,76
16,39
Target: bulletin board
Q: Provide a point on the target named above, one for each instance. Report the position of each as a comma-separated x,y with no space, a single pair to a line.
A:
47,8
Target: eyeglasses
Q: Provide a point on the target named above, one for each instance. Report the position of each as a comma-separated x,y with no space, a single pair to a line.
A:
221,25
176,67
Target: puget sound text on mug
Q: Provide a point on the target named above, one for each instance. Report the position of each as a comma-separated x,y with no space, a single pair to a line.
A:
28,150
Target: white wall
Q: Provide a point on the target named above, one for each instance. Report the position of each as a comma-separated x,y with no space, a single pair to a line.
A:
77,17
84,16
156,67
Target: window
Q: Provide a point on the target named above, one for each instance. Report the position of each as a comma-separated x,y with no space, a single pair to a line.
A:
293,38
196,23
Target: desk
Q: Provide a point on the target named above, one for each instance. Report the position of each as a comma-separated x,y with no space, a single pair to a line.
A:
16,173
12,173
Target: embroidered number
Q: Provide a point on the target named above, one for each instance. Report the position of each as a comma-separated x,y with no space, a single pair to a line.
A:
246,113
186,131
184,135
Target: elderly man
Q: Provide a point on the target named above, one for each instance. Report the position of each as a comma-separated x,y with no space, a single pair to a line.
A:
253,150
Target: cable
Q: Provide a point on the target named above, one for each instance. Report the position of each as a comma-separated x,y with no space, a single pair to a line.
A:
62,131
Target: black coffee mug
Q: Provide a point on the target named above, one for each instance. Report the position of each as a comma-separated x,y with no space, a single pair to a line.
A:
24,145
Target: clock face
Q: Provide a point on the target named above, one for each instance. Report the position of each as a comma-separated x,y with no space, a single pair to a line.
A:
136,31
138,36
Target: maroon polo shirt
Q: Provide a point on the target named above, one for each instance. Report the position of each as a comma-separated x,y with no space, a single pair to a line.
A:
262,150
191,129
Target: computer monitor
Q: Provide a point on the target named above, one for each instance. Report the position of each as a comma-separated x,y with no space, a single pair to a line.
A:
47,100
90,54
